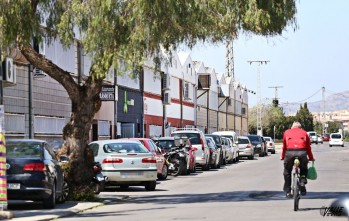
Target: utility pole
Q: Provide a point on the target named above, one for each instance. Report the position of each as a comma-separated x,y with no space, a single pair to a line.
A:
259,97
324,125
276,99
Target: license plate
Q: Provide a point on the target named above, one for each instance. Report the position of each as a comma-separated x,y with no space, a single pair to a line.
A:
13,186
131,174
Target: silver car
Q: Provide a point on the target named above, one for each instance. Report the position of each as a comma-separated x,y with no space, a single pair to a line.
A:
228,146
246,149
126,163
270,144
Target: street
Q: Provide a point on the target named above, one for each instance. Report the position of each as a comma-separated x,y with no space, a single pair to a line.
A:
248,190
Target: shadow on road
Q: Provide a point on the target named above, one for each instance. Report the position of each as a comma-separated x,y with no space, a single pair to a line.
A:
237,196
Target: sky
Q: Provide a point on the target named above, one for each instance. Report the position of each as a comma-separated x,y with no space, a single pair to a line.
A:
303,61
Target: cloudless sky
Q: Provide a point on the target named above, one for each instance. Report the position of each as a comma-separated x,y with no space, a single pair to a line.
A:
316,55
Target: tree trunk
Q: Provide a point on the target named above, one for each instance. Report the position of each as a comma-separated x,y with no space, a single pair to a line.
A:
85,104
76,136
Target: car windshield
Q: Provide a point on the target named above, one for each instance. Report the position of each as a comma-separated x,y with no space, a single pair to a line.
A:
210,143
243,141
336,136
254,138
193,137
23,149
215,138
124,148
267,139
166,144
312,134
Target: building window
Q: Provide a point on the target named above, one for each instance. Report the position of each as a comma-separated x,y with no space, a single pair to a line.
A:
186,90
230,101
48,125
103,128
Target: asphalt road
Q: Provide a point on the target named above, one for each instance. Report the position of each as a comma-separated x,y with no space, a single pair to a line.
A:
248,190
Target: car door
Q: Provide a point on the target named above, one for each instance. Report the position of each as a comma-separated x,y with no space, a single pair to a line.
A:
160,159
51,160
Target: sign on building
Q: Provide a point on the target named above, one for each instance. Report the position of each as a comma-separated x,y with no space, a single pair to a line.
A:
107,93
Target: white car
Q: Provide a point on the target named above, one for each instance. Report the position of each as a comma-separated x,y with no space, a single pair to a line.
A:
270,144
319,139
234,140
313,136
232,152
198,141
336,139
126,163
246,149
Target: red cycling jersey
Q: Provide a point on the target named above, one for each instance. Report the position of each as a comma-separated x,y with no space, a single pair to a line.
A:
296,139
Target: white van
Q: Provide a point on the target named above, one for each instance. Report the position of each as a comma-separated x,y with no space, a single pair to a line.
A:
336,139
313,136
234,138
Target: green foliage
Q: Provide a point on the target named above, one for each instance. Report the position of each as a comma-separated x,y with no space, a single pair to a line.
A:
333,127
110,30
305,118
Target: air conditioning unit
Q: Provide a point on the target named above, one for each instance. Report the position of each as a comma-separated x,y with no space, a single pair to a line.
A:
166,98
9,71
165,81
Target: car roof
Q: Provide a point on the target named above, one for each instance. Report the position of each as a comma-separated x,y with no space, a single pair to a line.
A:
166,138
115,141
243,137
26,140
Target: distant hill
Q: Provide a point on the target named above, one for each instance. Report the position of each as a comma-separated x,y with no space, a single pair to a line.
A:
335,102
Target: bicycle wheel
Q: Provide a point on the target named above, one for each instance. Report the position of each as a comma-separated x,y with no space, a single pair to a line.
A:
296,195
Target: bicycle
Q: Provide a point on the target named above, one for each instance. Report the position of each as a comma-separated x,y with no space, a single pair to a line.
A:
296,184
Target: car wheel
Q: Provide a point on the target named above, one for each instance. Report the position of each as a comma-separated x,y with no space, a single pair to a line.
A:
343,145
163,175
65,192
330,145
273,152
50,202
261,155
251,157
150,186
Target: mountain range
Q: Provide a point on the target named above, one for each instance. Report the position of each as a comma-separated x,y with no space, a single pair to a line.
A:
334,102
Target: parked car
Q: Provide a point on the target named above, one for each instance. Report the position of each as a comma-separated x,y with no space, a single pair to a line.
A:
313,136
258,143
33,172
228,145
326,137
218,140
214,153
166,143
246,149
234,139
126,163
270,144
160,159
336,139
197,140
319,139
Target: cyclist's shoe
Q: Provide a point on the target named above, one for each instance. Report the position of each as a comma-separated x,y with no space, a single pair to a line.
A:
289,195
303,180
303,190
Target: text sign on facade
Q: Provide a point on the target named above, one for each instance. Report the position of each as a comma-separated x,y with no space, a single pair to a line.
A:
107,93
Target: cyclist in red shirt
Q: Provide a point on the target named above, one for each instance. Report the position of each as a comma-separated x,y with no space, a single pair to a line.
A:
296,143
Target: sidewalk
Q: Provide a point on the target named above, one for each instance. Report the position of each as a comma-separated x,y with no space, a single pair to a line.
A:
21,212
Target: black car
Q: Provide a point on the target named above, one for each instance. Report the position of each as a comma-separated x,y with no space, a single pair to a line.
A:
259,144
33,172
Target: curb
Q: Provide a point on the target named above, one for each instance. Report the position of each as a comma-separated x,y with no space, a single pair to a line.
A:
69,208
6,215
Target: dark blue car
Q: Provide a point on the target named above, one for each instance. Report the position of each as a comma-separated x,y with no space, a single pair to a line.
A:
259,144
33,172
